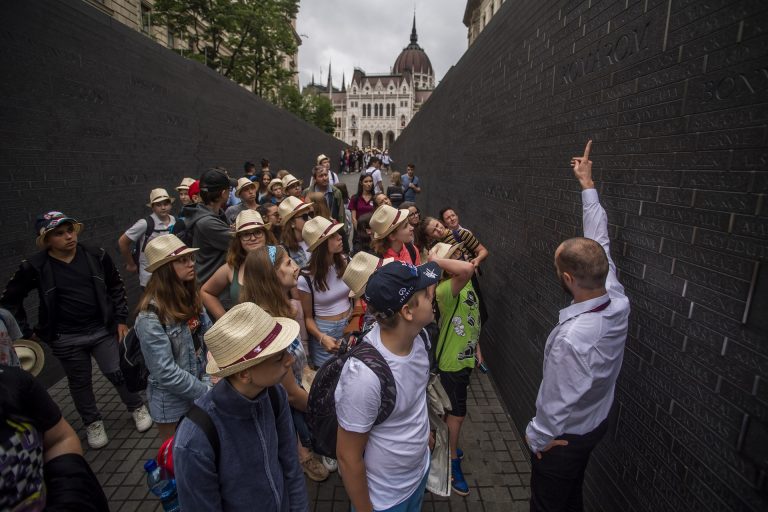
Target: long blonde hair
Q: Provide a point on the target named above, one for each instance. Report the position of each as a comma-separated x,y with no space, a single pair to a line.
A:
176,301
261,285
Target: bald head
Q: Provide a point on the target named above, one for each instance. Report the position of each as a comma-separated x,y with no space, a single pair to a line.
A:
585,260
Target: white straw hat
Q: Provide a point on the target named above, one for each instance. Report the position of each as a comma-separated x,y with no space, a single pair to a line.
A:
249,220
290,180
291,207
165,248
359,270
320,158
386,219
31,355
317,230
157,195
245,336
273,183
241,184
445,251
185,183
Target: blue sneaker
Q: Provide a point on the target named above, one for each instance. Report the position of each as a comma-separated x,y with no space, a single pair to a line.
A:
458,483
460,453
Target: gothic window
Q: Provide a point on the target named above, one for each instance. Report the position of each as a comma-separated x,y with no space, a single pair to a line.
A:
387,109
402,121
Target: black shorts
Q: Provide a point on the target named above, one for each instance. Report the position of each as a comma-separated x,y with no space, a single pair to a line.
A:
456,384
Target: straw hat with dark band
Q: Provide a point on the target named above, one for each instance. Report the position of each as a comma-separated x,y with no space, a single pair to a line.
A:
386,219
359,270
241,184
163,249
249,220
317,230
245,336
291,207
31,355
185,184
445,251
289,180
158,195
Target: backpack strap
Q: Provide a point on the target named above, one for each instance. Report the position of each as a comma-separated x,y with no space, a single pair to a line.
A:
307,278
441,338
148,233
372,358
274,399
411,251
201,418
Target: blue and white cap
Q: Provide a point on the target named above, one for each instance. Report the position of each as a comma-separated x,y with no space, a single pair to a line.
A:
392,285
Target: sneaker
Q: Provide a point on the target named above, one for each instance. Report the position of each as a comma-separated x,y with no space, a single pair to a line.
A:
330,464
314,469
460,453
458,483
142,419
97,436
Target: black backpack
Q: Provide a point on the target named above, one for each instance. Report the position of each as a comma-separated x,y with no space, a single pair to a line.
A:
182,232
132,365
321,403
139,248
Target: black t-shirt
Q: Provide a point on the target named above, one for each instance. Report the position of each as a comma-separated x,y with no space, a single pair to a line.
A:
26,413
78,309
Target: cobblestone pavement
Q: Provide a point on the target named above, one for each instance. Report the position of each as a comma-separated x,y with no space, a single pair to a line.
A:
495,465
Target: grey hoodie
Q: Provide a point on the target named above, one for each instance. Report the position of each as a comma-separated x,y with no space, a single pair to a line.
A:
211,234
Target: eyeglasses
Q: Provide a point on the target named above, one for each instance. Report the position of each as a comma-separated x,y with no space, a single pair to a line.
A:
414,214
186,259
308,216
253,235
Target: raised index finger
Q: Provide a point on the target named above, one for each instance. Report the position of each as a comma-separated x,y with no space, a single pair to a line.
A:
587,149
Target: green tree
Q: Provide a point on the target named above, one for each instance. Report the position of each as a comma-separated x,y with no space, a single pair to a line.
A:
312,108
245,40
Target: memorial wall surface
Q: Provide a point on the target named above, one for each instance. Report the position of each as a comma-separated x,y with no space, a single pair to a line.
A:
94,115
674,94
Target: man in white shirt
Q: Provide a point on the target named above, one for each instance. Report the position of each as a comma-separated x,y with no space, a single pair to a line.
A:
386,465
374,171
144,230
582,359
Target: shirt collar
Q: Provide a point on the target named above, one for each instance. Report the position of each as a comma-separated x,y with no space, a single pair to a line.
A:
231,402
579,308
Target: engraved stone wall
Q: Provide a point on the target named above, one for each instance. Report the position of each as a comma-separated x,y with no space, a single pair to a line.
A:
675,95
93,115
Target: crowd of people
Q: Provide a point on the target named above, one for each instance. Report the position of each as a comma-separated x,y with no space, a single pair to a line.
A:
255,288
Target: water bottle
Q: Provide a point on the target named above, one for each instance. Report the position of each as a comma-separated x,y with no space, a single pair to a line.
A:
162,486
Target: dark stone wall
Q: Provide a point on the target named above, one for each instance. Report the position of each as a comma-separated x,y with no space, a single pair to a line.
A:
675,95
93,115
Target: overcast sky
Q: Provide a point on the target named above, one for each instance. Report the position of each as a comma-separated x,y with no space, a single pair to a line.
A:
370,34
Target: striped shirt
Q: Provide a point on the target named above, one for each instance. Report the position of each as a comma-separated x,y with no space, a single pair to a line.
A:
463,235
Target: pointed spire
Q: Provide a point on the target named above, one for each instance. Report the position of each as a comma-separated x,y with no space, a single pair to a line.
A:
313,78
330,81
414,36
343,82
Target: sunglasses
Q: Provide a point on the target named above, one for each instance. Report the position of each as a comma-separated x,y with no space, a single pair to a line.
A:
414,214
308,216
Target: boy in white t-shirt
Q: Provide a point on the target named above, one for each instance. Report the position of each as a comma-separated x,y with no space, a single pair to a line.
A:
385,467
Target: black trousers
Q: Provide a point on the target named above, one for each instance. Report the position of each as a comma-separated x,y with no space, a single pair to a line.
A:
557,479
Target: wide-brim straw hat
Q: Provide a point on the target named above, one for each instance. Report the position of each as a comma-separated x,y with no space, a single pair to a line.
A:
165,248
31,356
317,230
289,180
445,251
386,219
320,158
273,183
359,270
290,207
249,220
159,195
185,184
241,184
245,336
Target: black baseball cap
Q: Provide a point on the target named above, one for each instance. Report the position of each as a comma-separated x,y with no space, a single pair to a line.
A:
216,179
392,285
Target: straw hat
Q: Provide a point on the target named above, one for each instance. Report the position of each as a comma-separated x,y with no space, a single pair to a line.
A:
291,207
241,184
31,355
185,183
274,182
249,220
317,230
290,180
245,336
386,219
359,270
165,248
159,195
445,251
320,158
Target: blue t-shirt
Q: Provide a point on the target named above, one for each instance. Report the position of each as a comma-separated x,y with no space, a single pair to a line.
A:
410,194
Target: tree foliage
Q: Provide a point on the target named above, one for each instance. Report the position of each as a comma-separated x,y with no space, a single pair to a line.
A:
313,108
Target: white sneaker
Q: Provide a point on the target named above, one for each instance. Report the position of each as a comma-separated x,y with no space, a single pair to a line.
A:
142,419
97,436
330,464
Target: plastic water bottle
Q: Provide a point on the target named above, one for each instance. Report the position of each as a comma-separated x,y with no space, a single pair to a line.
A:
162,486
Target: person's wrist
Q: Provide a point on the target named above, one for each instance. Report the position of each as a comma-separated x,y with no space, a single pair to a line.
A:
587,184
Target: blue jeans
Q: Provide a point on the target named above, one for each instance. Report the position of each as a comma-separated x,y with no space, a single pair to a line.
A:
332,328
302,429
413,503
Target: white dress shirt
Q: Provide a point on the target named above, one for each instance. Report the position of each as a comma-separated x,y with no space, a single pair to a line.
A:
584,351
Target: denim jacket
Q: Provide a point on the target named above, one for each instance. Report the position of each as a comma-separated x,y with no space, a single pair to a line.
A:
169,353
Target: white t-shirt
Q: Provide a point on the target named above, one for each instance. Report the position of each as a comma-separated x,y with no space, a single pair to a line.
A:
397,453
136,234
334,300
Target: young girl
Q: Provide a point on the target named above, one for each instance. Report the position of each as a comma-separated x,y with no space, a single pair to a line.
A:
170,327
293,214
324,296
362,202
457,346
250,234
393,235
395,191
266,177
270,275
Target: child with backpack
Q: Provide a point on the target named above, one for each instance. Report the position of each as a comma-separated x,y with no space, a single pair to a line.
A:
383,427
456,347
170,327
246,458
160,222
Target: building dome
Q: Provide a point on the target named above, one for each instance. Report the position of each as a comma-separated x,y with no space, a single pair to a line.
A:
413,57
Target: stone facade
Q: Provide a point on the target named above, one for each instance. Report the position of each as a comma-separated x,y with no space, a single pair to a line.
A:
477,14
